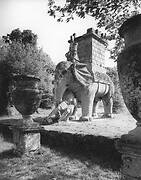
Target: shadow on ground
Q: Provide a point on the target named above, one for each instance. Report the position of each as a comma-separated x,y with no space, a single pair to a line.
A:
93,149
64,156
60,163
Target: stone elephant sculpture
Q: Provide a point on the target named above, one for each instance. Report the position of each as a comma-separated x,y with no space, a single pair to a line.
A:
77,78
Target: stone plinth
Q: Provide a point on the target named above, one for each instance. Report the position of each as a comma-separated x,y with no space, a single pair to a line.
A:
25,138
129,63
130,147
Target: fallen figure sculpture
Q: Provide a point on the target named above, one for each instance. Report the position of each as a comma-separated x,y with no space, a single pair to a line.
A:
64,111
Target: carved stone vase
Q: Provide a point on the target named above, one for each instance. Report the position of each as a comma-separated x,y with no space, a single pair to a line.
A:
26,96
129,69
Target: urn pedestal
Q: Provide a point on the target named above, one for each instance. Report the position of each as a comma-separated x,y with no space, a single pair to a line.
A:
26,140
129,69
26,98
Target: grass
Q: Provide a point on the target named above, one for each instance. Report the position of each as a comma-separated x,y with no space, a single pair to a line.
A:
5,146
57,164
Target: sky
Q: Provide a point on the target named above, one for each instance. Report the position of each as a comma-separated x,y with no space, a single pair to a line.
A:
53,36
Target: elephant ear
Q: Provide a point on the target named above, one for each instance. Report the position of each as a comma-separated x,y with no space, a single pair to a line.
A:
82,73
61,67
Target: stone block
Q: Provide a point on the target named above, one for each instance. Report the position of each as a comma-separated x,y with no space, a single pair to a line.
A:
130,147
26,140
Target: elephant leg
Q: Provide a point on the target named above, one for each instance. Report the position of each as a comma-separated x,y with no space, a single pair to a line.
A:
94,114
105,105
108,106
87,98
74,115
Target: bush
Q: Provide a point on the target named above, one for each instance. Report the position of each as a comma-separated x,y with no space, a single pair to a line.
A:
25,60
28,60
47,101
118,102
24,57
4,80
19,54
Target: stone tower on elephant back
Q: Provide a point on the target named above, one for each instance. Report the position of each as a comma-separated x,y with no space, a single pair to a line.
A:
91,49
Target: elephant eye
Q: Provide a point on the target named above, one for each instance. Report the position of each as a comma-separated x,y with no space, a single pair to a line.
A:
64,72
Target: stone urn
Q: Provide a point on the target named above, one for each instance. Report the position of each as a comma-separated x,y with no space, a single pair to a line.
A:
129,70
26,96
129,66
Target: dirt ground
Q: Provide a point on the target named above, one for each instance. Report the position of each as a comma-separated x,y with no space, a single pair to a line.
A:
114,127
109,127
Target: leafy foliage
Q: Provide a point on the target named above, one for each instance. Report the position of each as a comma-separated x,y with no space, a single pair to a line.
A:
19,54
109,13
25,37
4,79
118,102
22,56
25,60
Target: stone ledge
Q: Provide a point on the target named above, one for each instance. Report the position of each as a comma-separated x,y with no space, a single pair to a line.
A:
9,124
96,136
83,143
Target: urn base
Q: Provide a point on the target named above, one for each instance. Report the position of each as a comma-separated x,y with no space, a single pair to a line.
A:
26,140
130,147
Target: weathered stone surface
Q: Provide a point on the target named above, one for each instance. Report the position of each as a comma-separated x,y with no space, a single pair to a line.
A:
91,49
26,96
129,63
97,136
109,128
130,79
26,142
131,157
130,30
26,139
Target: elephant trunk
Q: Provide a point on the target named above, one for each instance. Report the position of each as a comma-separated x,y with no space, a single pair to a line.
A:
59,89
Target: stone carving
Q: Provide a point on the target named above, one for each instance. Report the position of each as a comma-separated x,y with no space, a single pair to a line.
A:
87,92
66,109
129,69
72,54
78,76
26,97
